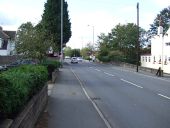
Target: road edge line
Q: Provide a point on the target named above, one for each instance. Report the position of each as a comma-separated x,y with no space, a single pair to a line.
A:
94,104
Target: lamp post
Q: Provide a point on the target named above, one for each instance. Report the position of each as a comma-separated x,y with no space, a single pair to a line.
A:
93,33
61,59
137,64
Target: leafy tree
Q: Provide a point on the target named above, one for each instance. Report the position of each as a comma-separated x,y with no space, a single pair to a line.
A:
121,41
31,42
75,53
67,51
51,21
164,15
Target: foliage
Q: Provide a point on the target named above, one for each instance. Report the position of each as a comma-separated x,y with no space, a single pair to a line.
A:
51,65
165,17
120,43
67,51
19,84
31,41
75,52
51,21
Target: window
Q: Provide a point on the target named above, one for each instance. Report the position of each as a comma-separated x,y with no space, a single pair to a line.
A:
169,58
146,58
167,44
154,59
0,43
143,58
149,59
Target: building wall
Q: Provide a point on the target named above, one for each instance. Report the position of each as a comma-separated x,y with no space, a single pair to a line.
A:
160,53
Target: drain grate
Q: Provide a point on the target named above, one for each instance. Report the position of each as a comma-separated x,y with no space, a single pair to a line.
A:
96,98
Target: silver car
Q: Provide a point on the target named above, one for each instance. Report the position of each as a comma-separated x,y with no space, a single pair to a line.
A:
74,60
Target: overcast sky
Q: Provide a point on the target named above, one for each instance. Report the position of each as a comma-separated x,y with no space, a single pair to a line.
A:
102,14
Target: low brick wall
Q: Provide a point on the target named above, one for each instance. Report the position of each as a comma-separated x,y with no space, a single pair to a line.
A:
28,117
7,59
126,65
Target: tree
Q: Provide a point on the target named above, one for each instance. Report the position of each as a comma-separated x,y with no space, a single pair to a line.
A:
31,41
51,21
75,53
67,51
164,15
121,41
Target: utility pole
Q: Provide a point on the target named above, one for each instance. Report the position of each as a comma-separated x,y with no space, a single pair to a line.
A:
137,64
61,32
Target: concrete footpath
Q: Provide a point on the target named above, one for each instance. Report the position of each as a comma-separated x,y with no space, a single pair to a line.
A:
68,107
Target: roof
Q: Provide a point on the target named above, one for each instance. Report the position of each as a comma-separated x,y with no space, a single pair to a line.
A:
7,34
3,35
11,34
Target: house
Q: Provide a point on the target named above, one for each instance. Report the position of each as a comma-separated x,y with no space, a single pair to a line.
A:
7,42
160,52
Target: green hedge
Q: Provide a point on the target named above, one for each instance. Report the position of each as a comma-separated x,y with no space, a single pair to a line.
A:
51,66
18,85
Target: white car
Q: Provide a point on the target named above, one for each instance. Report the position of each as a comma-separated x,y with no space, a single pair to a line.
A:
74,60
80,59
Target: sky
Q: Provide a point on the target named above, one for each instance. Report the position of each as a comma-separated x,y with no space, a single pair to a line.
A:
85,15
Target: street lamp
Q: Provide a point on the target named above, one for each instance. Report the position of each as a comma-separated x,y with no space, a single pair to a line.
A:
93,33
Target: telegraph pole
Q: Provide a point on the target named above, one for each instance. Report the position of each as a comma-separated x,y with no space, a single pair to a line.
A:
137,64
61,32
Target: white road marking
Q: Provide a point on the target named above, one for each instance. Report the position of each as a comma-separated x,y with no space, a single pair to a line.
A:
108,74
97,70
94,104
131,83
164,96
154,77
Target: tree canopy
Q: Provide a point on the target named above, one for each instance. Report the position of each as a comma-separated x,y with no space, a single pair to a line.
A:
164,15
51,21
120,43
31,41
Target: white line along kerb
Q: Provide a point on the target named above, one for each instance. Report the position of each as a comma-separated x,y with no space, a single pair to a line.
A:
131,83
94,104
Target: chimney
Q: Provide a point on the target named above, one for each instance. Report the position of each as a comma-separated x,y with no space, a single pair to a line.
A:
0,28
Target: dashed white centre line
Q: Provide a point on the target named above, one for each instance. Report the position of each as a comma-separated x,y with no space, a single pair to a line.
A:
164,96
131,83
108,74
97,70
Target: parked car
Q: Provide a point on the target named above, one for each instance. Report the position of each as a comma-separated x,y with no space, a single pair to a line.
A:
80,59
14,64
74,60
20,62
3,68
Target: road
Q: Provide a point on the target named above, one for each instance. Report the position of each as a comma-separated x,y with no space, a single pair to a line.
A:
106,96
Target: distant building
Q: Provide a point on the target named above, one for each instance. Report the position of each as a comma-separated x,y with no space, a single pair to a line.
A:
7,42
160,52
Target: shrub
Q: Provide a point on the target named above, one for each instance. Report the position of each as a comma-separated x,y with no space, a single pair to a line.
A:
18,85
51,66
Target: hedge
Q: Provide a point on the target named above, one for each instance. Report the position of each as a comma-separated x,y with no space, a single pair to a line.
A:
18,85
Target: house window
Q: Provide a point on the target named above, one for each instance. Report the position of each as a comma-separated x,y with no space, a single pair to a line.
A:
146,58
149,59
143,58
154,59
169,58
160,60
0,43
167,44
165,62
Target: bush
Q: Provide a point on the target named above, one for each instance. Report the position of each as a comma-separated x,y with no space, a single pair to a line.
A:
104,58
51,66
18,85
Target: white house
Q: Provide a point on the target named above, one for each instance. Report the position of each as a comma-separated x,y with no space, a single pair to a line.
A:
160,52
7,42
